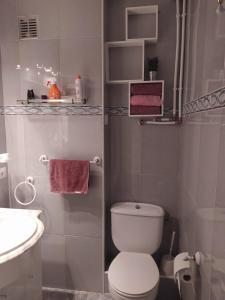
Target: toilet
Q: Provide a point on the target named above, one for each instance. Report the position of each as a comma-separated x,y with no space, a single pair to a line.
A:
137,233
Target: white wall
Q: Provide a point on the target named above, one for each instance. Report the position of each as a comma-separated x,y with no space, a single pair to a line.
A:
70,42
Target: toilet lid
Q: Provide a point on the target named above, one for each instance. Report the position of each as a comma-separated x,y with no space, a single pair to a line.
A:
133,273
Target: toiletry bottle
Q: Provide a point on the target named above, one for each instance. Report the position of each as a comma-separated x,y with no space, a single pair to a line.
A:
78,89
54,92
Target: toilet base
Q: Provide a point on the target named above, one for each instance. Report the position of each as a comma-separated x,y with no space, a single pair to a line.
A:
150,296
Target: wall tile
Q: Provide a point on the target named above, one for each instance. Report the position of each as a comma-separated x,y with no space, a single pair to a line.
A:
72,262
159,190
80,18
76,58
201,204
84,258
10,59
8,21
52,206
83,214
4,198
28,137
69,42
48,15
143,162
44,53
204,67
54,263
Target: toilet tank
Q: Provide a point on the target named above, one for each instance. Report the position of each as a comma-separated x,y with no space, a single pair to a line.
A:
137,227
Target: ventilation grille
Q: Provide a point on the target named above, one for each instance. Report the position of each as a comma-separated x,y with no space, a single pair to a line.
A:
28,27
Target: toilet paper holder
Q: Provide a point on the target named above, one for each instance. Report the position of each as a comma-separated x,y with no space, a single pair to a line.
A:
196,258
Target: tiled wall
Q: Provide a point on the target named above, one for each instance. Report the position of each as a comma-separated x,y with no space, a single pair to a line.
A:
201,201
201,204
204,70
69,41
143,160
143,163
4,199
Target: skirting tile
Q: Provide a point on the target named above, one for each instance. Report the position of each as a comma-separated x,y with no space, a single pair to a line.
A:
50,110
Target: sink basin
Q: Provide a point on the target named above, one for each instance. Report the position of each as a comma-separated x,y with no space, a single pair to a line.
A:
15,231
20,231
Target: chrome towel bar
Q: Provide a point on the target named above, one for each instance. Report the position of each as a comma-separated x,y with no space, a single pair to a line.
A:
96,160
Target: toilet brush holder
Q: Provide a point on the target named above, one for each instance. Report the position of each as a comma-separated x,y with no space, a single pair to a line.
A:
166,266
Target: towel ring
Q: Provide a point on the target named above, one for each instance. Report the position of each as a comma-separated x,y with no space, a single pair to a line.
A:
28,181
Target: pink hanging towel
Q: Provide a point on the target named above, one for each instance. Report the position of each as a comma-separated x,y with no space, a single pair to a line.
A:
69,176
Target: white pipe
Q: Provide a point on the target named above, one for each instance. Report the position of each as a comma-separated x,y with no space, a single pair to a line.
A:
187,50
176,57
182,57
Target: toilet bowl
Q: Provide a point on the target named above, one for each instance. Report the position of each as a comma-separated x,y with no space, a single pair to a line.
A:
137,233
133,275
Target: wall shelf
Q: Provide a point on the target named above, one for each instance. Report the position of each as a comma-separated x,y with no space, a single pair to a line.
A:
64,100
142,23
119,55
125,60
144,89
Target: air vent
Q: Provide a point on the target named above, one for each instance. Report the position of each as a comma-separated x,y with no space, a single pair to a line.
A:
28,27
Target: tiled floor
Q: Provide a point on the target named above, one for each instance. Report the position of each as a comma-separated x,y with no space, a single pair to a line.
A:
49,295
167,291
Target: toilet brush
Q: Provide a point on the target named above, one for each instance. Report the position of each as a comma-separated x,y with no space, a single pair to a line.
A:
166,266
172,242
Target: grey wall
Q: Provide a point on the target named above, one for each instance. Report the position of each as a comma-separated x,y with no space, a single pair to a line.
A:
202,194
142,160
69,41
164,49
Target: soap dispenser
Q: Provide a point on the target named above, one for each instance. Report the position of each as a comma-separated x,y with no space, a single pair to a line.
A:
54,92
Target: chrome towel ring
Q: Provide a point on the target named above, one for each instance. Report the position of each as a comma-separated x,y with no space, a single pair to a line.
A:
30,182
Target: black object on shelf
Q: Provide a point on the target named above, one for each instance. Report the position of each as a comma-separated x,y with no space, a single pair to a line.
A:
30,95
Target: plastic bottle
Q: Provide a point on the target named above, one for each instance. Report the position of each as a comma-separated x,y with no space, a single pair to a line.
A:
54,92
78,89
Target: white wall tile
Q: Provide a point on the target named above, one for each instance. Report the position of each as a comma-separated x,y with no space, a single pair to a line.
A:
48,15
84,258
82,56
80,18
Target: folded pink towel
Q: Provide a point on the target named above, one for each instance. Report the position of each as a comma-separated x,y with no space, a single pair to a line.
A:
153,88
69,176
141,110
146,100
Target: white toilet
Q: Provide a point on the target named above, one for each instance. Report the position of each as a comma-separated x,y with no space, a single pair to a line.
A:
137,233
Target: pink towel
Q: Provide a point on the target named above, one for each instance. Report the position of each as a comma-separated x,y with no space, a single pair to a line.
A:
153,88
146,100
141,110
69,176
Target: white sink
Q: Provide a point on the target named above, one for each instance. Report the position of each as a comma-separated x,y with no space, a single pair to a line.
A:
20,230
15,231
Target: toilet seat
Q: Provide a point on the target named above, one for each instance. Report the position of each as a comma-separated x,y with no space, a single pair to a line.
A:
133,274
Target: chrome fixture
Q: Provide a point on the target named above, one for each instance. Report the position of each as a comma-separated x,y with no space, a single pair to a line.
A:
220,9
96,160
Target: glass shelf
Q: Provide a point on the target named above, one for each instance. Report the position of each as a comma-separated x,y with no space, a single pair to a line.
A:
64,100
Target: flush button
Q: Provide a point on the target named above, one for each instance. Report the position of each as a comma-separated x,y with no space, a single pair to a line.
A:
137,206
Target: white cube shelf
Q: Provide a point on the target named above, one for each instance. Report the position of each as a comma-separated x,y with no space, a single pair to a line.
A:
142,23
159,86
124,61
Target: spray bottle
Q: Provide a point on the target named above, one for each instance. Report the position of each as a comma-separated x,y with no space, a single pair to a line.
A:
79,89
54,92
